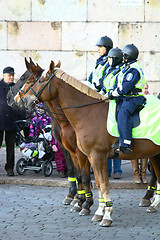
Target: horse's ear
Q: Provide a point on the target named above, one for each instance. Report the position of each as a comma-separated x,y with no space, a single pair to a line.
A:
31,62
38,66
28,65
58,64
51,67
34,70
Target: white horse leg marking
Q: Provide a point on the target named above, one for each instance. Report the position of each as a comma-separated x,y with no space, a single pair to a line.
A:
156,200
108,211
100,210
107,220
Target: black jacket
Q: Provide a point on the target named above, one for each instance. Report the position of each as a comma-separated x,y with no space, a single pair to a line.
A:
8,115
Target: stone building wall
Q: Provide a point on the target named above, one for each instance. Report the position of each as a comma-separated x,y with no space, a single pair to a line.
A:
67,30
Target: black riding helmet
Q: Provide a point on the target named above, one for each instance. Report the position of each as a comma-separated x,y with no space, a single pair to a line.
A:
105,42
117,55
130,52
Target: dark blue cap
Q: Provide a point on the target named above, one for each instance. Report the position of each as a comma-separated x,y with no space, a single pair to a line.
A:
8,70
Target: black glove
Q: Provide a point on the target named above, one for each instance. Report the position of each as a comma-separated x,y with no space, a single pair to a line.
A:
110,96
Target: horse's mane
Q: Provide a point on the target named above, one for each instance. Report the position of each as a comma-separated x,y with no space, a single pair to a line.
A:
80,86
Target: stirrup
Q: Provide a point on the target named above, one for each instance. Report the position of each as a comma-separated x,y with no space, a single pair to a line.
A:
116,146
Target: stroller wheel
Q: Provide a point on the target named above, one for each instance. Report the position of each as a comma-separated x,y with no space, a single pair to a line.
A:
47,168
20,166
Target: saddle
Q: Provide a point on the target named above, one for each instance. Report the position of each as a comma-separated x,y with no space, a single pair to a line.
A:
145,120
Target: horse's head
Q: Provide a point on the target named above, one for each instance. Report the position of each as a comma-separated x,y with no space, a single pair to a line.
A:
18,85
37,88
35,74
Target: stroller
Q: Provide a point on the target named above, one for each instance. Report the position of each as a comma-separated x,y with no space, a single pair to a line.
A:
32,158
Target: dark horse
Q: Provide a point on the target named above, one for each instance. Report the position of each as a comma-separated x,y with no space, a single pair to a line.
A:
88,117
65,134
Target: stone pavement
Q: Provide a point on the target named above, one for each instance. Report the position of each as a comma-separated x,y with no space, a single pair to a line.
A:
39,179
36,213
31,209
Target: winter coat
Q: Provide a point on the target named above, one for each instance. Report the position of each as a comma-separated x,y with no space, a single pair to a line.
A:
8,115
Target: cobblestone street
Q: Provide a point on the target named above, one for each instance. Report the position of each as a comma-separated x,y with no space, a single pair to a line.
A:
29,212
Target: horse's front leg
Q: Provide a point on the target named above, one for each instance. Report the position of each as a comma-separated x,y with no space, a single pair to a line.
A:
145,201
71,179
79,198
98,216
156,198
105,209
86,179
155,201
108,210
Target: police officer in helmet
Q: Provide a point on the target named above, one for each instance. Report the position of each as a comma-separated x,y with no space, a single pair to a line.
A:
130,53
128,88
96,77
115,60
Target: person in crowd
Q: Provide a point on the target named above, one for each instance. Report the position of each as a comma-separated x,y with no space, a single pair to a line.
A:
128,88
30,114
41,120
96,77
116,168
145,89
139,174
8,116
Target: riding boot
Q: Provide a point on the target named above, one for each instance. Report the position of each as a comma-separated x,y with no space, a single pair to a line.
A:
143,169
135,169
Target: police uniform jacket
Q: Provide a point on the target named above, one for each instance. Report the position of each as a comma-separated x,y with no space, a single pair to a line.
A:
130,79
103,62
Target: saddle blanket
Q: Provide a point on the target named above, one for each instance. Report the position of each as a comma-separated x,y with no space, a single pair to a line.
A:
149,127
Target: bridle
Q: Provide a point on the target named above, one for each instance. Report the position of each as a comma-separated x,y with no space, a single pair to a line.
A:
37,95
30,88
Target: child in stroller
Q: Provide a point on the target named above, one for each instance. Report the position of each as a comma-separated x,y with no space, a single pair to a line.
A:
37,151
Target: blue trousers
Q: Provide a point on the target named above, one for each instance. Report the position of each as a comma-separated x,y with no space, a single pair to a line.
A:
126,109
116,166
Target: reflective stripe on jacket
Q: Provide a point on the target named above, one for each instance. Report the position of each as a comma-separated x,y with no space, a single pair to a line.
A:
141,82
98,73
109,81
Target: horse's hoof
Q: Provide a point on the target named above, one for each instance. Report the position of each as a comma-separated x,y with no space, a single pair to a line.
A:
84,212
151,209
106,223
97,218
73,202
76,208
67,201
144,203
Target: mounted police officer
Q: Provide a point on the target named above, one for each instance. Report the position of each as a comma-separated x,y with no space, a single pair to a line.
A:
115,60
96,77
128,88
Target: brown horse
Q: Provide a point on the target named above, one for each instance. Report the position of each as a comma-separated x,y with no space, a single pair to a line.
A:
88,117
69,199
68,138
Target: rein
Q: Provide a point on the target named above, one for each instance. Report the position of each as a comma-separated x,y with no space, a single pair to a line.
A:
37,95
48,82
79,106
